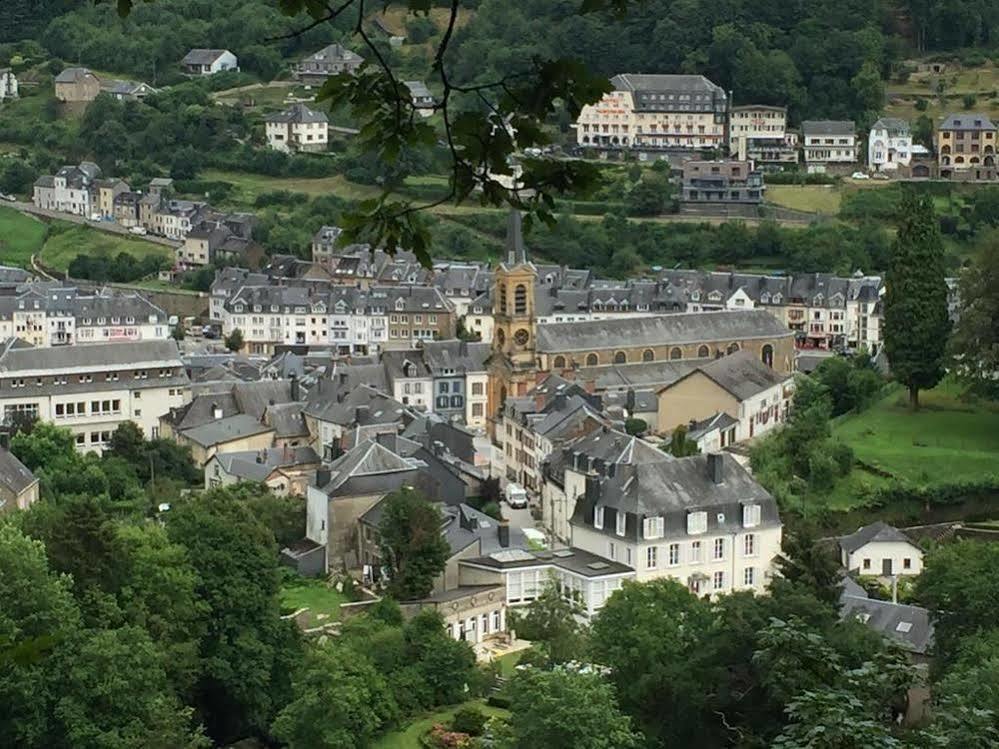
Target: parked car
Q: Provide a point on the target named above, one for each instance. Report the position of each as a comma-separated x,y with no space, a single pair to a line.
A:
516,496
8,197
140,230
860,175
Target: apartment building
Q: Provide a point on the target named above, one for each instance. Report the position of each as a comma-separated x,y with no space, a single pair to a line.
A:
759,133
297,128
655,113
91,390
966,147
829,143
722,182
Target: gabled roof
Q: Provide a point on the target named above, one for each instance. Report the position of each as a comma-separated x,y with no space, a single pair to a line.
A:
894,125
334,53
220,431
14,475
719,421
297,114
657,82
73,75
740,374
876,532
909,626
257,465
366,459
967,121
829,127
203,56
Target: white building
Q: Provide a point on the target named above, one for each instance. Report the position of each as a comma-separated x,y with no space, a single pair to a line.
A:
8,84
297,128
759,133
880,550
889,144
829,143
71,190
209,61
90,390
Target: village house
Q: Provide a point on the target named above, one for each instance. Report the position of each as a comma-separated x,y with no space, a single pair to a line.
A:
283,470
966,147
72,189
649,113
829,143
8,85
880,550
76,86
297,128
420,97
209,61
331,60
889,144
18,485
91,390
107,190
127,90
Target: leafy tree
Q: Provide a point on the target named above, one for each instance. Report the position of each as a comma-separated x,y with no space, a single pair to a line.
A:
976,334
650,196
852,383
566,710
45,445
635,426
915,312
443,666
338,701
922,129
807,563
16,177
828,718
412,548
234,341
679,446
551,623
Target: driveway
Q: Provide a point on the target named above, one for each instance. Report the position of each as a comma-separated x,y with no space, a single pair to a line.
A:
518,518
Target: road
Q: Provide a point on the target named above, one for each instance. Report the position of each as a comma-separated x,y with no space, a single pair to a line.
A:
106,226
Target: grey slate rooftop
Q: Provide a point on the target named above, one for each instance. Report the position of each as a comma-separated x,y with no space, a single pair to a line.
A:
875,532
14,475
742,374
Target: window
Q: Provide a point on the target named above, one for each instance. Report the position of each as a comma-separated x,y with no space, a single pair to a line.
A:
648,355
907,564
749,545
591,360
477,388
620,357
627,555
749,576
695,551
59,409
622,522
598,517
653,527
719,548
703,352
674,555
559,362
719,580
612,551
650,557
867,564
520,300
750,516
697,522
675,353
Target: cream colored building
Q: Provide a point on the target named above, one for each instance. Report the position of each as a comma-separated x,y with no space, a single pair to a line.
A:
880,550
90,390
297,128
759,133
655,112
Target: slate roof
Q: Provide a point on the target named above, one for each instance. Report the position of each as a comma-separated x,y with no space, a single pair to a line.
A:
719,421
741,374
257,465
14,475
645,374
828,127
202,56
15,361
657,83
894,125
220,431
460,356
909,626
367,459
878,531
574,560
967,121
297,114
334,53
72,75
659,330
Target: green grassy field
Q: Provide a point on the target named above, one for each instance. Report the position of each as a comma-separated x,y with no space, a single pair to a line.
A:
249,186
20,237
946,440
314,595
63,246
823,199
409,737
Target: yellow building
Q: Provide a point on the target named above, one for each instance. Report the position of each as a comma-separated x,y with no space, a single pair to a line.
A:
512,364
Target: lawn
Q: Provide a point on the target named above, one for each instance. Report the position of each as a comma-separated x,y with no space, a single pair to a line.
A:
322,601
21,236
947,439
63,246
409,737
249,186
823,199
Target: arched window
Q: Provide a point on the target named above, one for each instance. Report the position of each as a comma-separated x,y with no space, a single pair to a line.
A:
559,362
501,293
675,353
648,355
520,300
733,347
620,357
767,355
591,360
703,352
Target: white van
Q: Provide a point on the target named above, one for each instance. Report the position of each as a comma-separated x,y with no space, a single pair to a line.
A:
516,496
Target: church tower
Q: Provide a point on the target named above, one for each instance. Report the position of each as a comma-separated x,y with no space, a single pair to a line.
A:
513,363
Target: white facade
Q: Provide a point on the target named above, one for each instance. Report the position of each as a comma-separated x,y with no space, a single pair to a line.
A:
884,559
754,122
476,398
297,136
225,60
889,145
8,84
828,143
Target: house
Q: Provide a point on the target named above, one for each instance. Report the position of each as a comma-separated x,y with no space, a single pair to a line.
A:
331,60
107,190
76,85
722,182
829,143
881,550
759,133
209,61
410,381
284,470
18,485
297,128
72,189
420,97
340,415
90,390
966,147
127,90
8,85
702,520
649,113
459,380
740,385
713,433
220,238
324,243
889,145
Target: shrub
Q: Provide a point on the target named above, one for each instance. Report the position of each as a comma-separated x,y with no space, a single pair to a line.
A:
969,101
635,427
842,455
922,105
470,720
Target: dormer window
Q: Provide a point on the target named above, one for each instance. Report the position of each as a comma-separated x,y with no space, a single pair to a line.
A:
654,527
765,298
777,298
696,296
697,522
751,516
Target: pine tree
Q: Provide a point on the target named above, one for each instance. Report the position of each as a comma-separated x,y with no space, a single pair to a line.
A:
915,315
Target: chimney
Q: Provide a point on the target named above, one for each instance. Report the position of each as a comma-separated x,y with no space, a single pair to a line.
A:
592,493
598,466
323,476
295,391
216,411
611,470
438,448
715,467
503,531
466,521
361,412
